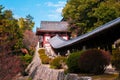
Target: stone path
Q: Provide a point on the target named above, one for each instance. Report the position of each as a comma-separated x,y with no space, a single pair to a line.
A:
38,71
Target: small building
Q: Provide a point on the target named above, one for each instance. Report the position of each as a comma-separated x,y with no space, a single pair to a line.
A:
49,29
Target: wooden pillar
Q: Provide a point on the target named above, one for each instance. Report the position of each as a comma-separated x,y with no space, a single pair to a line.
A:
84,48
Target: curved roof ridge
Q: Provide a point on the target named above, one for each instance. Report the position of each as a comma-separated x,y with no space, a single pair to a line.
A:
56,41
63,43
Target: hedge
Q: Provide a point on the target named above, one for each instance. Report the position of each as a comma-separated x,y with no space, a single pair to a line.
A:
44,58
58,62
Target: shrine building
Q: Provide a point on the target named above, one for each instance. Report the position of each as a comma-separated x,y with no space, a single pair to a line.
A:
49,29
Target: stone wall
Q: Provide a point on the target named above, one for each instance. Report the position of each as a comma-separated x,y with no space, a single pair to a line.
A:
39,71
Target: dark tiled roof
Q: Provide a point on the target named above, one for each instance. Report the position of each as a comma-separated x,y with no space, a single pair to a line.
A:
56,42
54,26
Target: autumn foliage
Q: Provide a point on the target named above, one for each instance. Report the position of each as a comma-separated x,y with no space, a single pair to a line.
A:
94,61
9,66
11,45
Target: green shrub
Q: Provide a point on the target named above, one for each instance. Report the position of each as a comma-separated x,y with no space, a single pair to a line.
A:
57,62
72,62
27,58
25,62
94,61
31,51
41,51
116,60
29,78
44,58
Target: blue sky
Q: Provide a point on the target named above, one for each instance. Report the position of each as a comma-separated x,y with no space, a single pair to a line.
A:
40,10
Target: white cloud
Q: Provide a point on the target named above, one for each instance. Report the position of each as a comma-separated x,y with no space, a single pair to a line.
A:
58,4
55,13
16,16
54,16
59,10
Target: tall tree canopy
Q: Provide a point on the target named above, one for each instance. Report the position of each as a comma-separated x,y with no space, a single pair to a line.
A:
85,15
26,23
12,41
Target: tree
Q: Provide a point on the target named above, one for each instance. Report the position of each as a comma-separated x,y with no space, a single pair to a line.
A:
1,8
21,23
105,12
29,22
85,15
26,23
10,42
8,14
30,40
